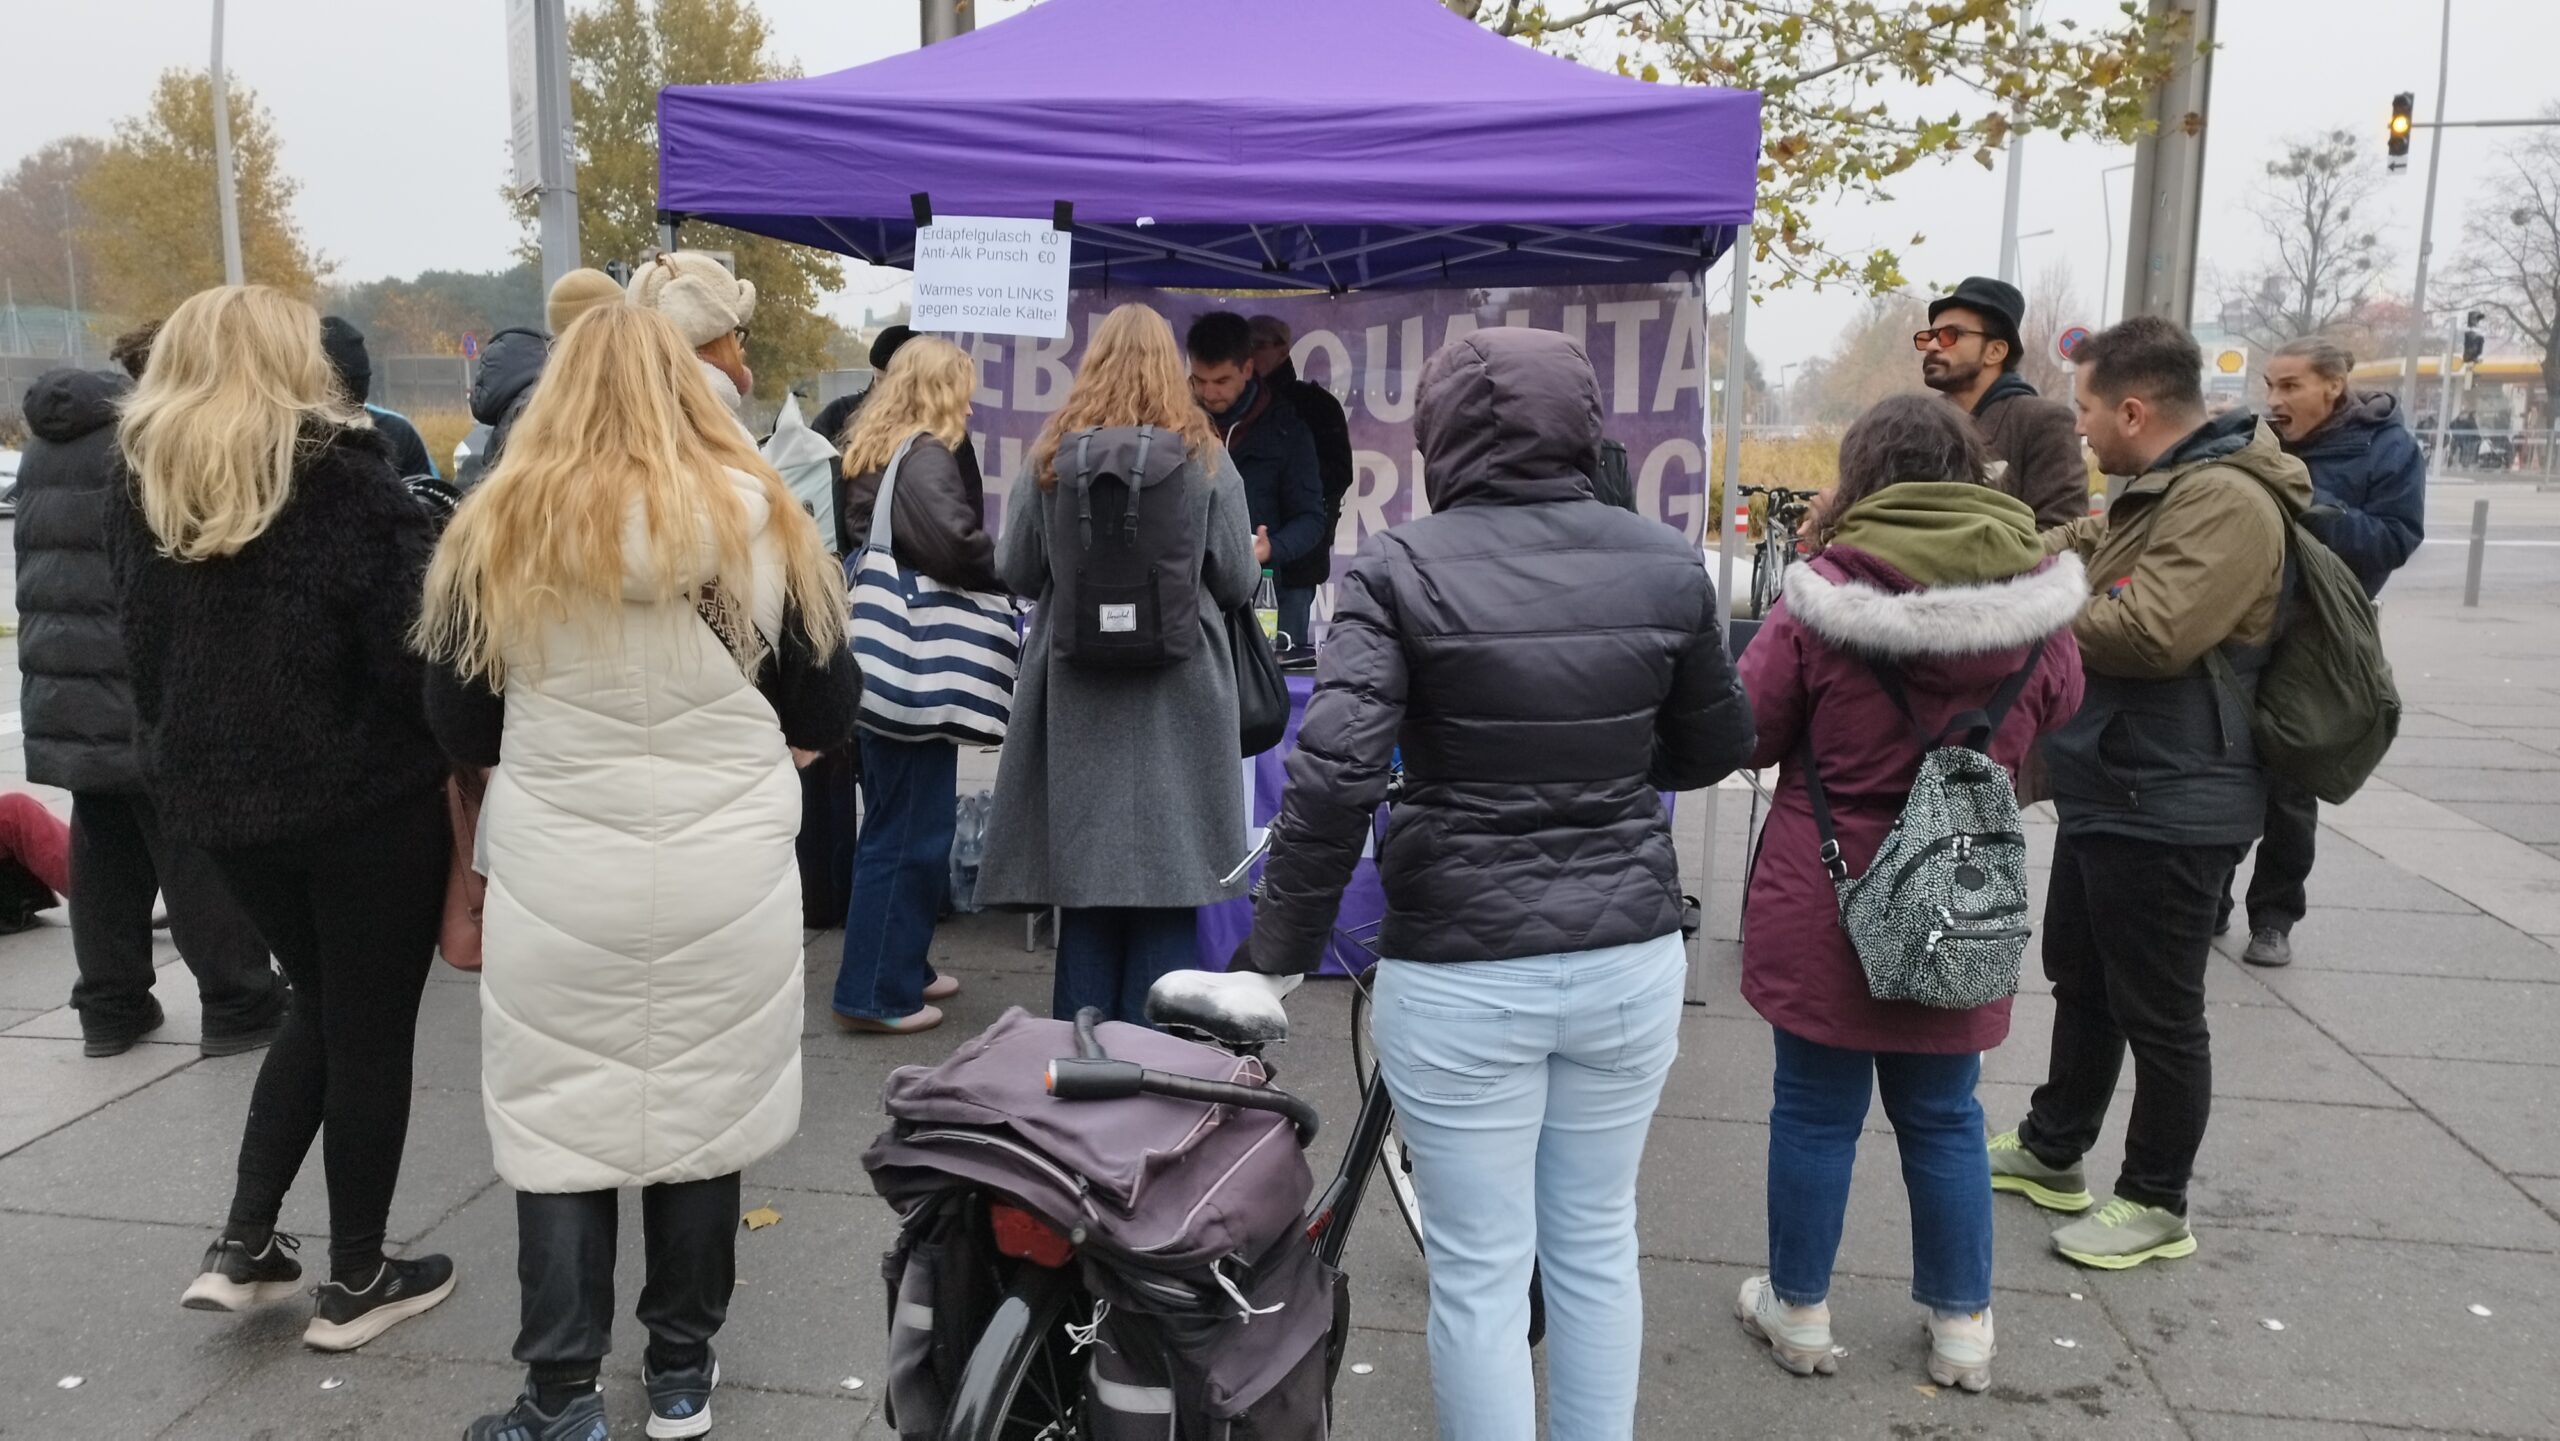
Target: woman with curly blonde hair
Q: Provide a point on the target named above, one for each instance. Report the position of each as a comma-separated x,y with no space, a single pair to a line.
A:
1118,796
910,800
634,623
268,567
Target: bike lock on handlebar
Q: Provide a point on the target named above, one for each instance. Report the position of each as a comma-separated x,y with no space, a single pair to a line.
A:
1091,1075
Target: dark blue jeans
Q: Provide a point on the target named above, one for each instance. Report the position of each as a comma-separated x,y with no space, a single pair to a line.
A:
910,807
1109,956
1819,1103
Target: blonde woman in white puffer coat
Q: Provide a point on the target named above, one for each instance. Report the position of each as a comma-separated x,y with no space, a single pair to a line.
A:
637,628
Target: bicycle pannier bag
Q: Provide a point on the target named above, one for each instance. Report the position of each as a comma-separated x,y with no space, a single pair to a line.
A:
1940,917
1126,537
1208,1302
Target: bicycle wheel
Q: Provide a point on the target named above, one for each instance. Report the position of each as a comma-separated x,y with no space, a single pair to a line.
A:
1769,575
1394,1166
1022,1382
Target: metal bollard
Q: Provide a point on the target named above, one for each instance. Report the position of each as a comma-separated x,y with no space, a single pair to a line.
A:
2479,547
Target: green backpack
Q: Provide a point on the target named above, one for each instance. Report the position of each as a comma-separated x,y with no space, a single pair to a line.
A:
2327,710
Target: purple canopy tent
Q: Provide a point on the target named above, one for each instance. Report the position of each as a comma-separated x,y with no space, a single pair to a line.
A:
1316,145
1328,145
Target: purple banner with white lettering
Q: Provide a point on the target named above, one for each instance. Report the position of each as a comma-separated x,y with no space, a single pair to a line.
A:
1645,341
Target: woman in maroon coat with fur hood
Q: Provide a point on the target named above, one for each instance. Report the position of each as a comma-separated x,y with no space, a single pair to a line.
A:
1926,567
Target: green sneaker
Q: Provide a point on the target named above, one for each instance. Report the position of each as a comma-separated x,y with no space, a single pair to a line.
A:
2056,1188
2124,1234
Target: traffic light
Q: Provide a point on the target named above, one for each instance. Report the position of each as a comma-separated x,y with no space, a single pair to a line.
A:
2473,342
2402,105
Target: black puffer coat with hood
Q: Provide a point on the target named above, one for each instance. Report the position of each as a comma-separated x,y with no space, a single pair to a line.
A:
1546,663
509,365
77,704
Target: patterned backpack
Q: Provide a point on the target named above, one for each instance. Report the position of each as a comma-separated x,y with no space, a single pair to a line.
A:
1940,917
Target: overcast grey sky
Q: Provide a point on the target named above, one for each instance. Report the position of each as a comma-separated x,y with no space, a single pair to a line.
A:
393,113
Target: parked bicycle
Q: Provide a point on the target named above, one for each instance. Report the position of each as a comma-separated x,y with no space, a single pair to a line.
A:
1782,516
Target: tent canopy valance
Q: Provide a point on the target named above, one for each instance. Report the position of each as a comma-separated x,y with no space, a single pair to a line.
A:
1241,144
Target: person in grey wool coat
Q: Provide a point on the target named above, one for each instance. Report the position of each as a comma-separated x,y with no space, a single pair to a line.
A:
1118,796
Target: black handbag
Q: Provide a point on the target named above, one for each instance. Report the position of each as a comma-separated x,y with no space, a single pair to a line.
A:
1262,696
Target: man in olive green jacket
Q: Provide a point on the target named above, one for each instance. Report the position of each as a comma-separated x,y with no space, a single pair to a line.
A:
2156,780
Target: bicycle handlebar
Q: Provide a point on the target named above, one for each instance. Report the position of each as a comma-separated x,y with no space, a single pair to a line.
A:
1786,490
1096,1077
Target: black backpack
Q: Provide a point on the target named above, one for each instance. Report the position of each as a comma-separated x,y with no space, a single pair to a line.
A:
1125,550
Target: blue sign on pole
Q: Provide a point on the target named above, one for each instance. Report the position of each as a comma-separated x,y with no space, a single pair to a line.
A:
2071,339
471,346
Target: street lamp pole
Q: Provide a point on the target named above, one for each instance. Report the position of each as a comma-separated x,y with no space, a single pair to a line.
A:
2016,154
2107,207
946,19
226,192
71,273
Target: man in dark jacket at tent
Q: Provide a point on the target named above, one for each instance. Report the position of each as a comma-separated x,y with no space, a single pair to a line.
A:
1970,355
2369,504
1330,428
354,364
1283,482
77,711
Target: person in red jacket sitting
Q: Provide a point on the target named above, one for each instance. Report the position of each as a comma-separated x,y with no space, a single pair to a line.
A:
1925,566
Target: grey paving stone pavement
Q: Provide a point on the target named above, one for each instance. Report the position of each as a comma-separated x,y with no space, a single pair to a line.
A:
2384,1158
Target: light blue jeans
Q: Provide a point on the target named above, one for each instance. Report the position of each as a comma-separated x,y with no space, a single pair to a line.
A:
1548,1066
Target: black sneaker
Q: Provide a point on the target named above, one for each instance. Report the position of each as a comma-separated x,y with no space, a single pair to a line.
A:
580,1420
236,1278
98,1045
238,1040
347,1318
2268,947
680,1400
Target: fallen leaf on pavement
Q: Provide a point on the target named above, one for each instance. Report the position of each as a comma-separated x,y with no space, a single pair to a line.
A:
761,1217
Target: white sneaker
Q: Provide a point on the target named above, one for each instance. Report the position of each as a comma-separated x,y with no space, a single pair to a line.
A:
1960,1349
1798,1337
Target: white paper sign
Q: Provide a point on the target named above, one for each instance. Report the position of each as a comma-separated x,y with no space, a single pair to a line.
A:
992,275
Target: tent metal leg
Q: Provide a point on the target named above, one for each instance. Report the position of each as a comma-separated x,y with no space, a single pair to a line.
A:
1736,374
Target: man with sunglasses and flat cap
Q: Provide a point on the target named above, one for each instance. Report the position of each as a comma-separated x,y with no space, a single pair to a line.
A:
1970,354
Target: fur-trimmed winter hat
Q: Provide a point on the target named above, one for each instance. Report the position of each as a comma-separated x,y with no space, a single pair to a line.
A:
696,292
578,292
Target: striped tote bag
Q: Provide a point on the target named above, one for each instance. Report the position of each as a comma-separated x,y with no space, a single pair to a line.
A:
937,661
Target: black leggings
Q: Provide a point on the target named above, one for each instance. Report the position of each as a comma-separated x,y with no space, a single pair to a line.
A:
565,1243
353,916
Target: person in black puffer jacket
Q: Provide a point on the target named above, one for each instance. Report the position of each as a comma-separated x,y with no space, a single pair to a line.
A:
76,706
1546,664
502,381
270,566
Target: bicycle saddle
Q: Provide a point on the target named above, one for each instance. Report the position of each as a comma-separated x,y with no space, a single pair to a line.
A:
1232,1008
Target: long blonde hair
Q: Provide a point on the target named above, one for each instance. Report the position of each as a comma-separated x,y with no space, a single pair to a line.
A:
1132,375
926,388
623,437
237,389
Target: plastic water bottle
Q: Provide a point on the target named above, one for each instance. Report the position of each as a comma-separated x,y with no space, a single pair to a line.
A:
968,847
1266,607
